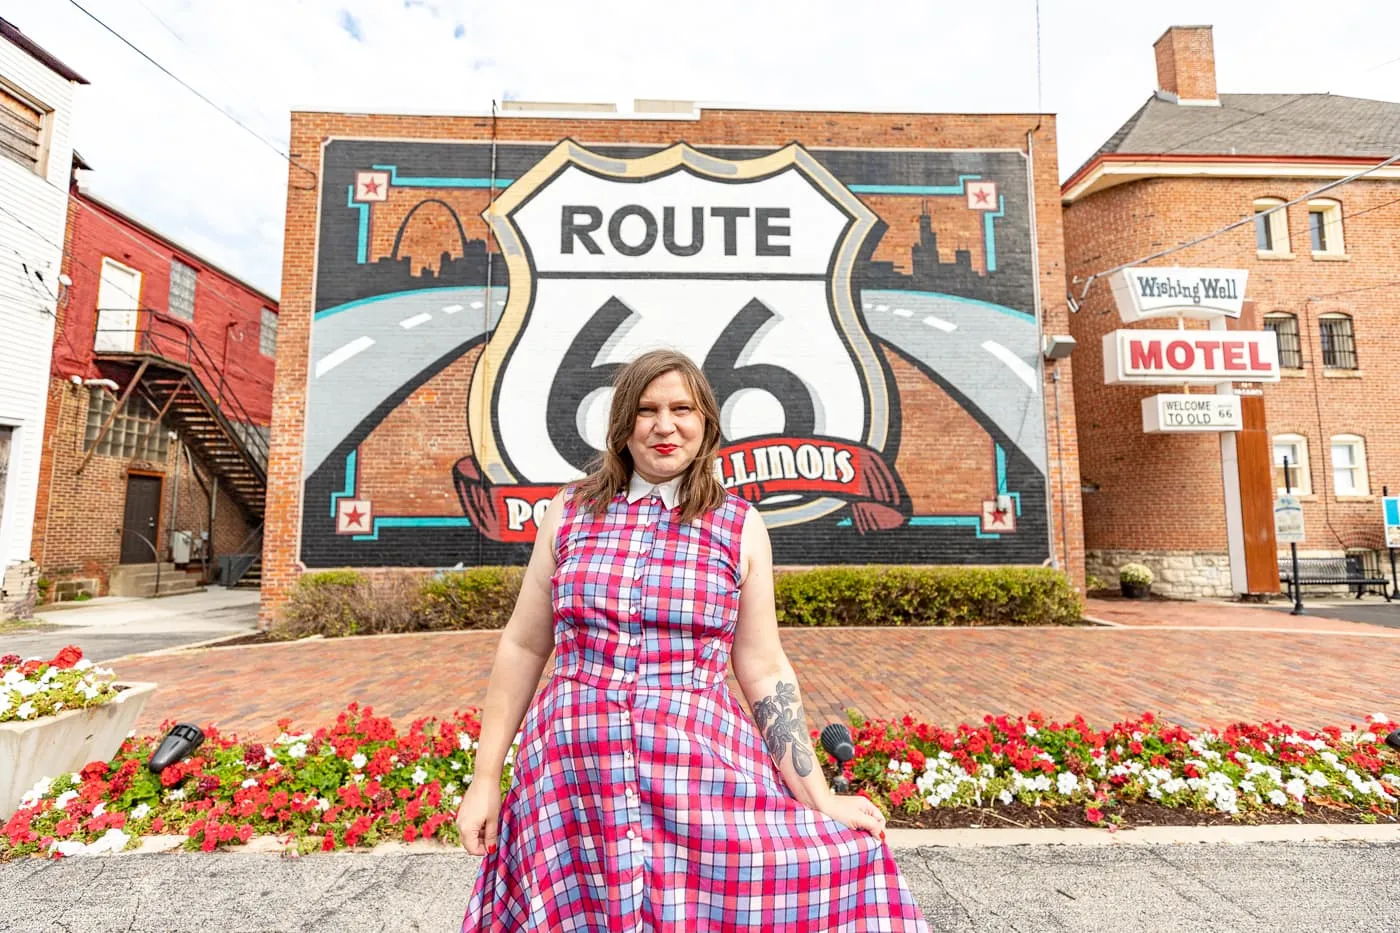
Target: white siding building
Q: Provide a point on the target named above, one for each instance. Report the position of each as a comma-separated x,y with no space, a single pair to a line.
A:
36,153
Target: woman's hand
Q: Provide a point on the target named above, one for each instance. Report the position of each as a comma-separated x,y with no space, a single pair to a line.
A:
855,812
479,817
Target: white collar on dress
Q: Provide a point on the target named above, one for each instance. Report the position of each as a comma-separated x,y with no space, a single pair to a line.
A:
669,491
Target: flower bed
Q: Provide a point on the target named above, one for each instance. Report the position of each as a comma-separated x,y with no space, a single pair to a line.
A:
34,688
359,781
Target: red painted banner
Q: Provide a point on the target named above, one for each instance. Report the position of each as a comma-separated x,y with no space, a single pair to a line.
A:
755,469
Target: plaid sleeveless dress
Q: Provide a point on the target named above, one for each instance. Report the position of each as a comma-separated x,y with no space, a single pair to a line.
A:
643,796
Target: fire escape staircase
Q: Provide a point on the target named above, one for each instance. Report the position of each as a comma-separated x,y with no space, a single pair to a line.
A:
163,362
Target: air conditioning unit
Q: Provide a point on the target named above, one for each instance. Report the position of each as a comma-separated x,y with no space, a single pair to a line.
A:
180,546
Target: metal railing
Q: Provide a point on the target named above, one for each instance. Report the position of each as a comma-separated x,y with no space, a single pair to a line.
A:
172,338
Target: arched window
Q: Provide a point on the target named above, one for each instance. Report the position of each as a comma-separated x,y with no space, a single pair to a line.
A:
1349,466
1271,226
1325,227
1338,341
1290,348
1294,447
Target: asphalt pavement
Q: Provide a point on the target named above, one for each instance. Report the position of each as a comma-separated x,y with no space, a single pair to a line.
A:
1241,888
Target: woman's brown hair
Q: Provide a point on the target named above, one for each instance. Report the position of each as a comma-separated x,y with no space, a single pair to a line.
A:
700,490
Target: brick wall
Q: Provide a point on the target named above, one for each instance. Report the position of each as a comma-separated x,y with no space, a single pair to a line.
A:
1163,492
80,535
934,439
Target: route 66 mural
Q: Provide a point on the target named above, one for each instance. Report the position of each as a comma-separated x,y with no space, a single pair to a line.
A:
865,317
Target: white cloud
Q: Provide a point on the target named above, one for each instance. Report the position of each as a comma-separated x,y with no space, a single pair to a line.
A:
172,161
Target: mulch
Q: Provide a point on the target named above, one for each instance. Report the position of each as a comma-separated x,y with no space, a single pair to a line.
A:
1127,816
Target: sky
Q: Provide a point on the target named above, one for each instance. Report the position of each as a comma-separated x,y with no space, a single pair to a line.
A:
178,164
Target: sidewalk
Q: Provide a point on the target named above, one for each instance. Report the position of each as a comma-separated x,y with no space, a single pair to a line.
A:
111,627
1195,664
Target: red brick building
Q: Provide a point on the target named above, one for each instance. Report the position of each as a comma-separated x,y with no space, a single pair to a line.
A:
868,292
1322,276
160,400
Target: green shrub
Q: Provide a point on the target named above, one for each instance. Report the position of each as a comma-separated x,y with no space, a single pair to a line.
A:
336,603
344,602
926,596
479,598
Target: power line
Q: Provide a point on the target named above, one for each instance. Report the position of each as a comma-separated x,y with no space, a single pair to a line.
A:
230,364
1238,223
168,73
1252,116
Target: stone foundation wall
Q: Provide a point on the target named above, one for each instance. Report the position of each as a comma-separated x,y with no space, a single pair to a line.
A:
1178,575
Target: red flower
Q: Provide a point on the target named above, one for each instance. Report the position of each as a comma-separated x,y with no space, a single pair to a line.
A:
1093,815
30,667
70,655
157,825
328,843
9,660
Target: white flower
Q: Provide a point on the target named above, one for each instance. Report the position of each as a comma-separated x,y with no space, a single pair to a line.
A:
1318,779
322,804
113,840
464,742
1379,717
298,750
48,675
1247,786
26,709
419,775
451,788
4,700
1031,730
68,847
140,811
1005,797
457,800
82,665
13,676
37,792
176,794
26,688
250,782
89,692
1066,783
1295,787
456,765
63,799
358,762
100,809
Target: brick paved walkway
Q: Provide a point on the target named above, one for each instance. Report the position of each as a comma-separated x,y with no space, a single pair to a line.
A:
1209,674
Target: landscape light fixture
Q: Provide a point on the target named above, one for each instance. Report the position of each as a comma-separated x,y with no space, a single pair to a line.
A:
177,745
836,739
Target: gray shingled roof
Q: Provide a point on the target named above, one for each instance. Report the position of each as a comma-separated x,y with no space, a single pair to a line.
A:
1262,124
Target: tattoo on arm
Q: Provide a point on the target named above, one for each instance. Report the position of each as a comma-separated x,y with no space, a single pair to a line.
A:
780,722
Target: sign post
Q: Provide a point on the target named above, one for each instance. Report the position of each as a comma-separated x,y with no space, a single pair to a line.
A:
1288,526
1390,506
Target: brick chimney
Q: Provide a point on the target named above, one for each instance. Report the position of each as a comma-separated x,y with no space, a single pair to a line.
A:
1186,65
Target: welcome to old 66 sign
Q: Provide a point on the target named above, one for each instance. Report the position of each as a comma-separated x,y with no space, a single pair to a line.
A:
743,266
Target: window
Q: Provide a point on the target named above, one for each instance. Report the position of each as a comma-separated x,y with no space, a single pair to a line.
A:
1349,466
1325,227
181,290
1295,448
267,333
22,125
1338,344
134,434
1290,348
1270,226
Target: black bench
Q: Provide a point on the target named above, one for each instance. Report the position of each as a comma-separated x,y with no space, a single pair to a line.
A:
1331,571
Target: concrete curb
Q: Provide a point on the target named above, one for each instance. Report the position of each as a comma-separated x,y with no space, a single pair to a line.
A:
903,839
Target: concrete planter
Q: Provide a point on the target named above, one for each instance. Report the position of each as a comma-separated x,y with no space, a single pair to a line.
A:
59,744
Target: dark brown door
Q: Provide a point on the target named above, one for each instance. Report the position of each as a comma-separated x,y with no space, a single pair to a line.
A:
1254,452
139,524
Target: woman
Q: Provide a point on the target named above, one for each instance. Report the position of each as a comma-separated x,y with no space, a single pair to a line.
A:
643,796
